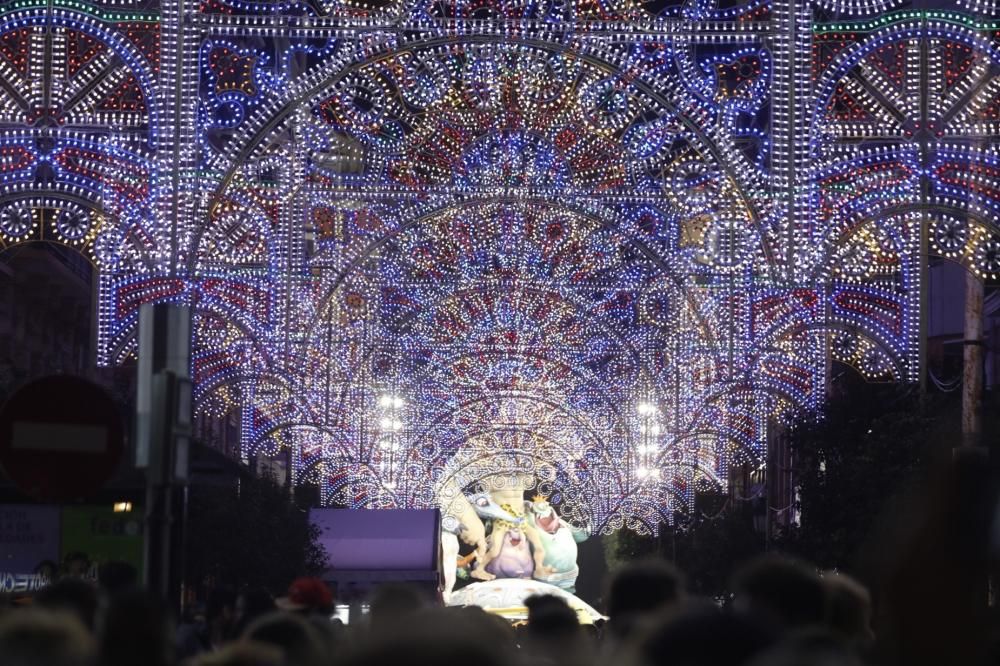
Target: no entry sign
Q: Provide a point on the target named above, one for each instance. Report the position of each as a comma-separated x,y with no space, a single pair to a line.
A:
61,438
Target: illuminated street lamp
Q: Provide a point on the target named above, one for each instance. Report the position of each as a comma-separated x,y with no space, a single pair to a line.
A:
390,426
648,447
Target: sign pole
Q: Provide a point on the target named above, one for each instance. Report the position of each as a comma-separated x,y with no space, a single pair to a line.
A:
163,424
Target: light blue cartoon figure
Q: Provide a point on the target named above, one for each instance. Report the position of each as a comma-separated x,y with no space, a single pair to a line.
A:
559,540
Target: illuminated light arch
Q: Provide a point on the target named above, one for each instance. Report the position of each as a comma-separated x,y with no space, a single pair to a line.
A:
940,26
431,298
316,144
132,59
240,233
888,171
90,125
964,237
602,220
316,85
875,361
70,105
479,468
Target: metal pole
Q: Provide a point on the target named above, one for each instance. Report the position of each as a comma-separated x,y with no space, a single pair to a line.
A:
163,416
972,356
924,312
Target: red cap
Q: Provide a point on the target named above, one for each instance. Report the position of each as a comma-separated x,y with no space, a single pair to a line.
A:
306,594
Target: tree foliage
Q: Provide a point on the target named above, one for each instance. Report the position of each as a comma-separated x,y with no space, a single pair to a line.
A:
249,534
707,546
713,548
854,459
856,462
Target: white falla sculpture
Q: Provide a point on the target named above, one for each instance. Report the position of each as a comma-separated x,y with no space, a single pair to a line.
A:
512,537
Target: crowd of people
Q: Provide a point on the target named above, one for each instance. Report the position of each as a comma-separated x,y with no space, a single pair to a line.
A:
781,613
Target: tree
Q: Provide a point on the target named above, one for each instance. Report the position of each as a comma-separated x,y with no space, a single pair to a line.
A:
707,546
711,549
854,459
859,461
249,534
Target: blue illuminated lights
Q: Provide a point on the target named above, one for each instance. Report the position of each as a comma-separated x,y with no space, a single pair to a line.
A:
604,244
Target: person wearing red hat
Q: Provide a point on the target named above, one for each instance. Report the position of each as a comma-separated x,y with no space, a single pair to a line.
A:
307,596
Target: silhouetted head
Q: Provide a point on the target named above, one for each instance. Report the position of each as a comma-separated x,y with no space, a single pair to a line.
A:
42,638
71,595
392,604
252,603
549,615
293,634
220,612
553,633
702,634
848,609
245,653
640,590
492,629
439,636
810,647
114,577
76,565
135,628
780,591
47,569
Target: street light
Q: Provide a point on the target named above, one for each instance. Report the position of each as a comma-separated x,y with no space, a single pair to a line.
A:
390,426
390,401
649,431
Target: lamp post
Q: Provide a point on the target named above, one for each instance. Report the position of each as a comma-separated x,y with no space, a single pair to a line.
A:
390,425
648,447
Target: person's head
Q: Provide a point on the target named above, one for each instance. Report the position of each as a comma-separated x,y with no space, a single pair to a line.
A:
553,631
76,565
71,595
393,603
114,577
245,653
220,607
251,604
494,629
332,634
42,638
440,636
848,609
307,595
701,634
815,647
639,590
135,628
551,616
47,570
299,641
781,591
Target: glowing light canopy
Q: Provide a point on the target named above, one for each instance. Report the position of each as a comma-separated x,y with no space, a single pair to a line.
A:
430,245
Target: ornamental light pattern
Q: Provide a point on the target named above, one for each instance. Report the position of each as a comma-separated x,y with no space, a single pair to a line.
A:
600,244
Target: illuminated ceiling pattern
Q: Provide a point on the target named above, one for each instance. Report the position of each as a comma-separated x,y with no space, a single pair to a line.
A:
434,244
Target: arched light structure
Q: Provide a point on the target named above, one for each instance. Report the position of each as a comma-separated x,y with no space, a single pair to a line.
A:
601,244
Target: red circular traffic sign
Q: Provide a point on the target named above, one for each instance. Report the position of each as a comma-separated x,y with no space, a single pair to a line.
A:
61,438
